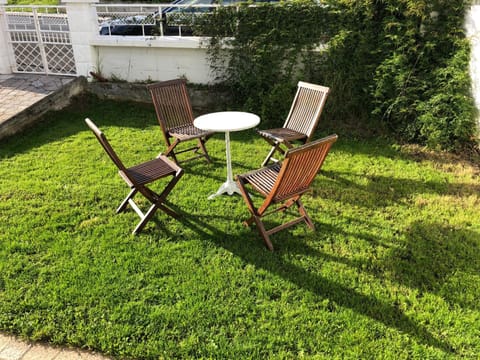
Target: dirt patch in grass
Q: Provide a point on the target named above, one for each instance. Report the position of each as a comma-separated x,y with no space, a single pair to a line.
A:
465,163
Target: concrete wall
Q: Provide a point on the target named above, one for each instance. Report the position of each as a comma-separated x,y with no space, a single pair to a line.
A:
202,100
136,59
57,100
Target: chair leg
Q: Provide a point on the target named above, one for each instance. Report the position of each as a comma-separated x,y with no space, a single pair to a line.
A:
149,214
143,221
124,203
169,211
201,144
270,154
304,213
263,233
170,151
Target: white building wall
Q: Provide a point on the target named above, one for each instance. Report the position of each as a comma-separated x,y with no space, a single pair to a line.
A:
5,66
82,20
472,25
138,59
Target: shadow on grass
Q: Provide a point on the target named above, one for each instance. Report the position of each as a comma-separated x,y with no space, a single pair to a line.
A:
428,253
388,314
57,125
381,191
433,254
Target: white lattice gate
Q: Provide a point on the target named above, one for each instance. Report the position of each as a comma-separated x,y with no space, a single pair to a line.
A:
40,42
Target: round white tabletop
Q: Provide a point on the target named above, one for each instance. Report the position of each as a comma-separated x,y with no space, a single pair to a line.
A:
227,121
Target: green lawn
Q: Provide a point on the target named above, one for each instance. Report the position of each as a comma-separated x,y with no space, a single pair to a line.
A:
392,271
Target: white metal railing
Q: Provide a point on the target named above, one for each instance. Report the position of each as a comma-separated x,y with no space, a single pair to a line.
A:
39,37
173,19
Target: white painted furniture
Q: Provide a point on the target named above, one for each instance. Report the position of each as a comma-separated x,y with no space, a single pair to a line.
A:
227,121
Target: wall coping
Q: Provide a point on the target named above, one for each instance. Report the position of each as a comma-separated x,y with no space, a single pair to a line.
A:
78,1
150,41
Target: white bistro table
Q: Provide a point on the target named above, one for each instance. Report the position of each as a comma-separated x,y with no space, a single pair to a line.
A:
227,121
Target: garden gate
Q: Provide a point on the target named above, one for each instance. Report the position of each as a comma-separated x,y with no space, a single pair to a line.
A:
39,39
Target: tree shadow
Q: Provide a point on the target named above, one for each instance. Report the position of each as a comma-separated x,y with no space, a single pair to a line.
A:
381,191
57,125
389,314
438,258
430,256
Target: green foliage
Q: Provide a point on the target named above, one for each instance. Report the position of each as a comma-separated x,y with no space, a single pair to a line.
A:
265,45
392,270
400,65
33,2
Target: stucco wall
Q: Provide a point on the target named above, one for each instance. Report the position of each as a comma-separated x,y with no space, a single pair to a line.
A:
139,59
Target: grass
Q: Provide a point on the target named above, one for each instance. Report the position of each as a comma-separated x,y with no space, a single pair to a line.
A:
33,2
392,270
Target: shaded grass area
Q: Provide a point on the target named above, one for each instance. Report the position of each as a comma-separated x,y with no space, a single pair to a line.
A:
392,270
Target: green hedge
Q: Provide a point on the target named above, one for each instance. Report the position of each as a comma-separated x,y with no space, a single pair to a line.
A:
401,65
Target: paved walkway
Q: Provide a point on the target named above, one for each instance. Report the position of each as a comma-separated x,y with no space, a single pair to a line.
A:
20,91
12,348
17,93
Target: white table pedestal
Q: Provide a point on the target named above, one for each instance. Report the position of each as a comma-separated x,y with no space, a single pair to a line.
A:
227,121
229,186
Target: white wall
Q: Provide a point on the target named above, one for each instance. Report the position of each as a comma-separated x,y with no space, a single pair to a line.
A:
142,59
472,25
83,24
5,66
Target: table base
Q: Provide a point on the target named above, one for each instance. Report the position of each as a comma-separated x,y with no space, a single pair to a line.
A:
229,187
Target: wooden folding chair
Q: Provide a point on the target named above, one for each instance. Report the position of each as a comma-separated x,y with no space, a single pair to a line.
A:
137,177
301,122
175,116
283,183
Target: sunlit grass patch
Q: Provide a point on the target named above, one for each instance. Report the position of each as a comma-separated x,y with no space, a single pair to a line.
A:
391,271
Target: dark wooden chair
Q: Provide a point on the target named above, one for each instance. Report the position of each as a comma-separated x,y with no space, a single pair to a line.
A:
301,122
139,176
283,183
175,116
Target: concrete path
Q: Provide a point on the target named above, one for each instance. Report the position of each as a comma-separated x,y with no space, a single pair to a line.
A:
12,348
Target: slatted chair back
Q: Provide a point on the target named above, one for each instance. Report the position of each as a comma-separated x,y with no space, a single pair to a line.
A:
283,183
307,106
106,145
299,169
172,103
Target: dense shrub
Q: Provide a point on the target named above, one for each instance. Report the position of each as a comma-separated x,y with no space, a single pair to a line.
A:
398,64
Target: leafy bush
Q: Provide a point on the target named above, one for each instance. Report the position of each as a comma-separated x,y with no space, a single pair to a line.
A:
397,64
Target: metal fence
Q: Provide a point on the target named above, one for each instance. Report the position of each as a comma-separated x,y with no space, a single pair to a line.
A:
174,19
39,38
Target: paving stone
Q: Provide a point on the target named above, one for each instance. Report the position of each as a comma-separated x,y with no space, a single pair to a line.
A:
41,352
14,350
4,340
78,355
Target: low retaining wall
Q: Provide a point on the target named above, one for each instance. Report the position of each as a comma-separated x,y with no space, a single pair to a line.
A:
202,99
56,100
